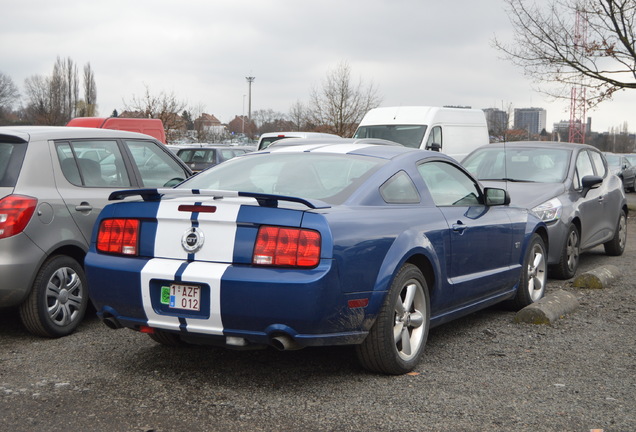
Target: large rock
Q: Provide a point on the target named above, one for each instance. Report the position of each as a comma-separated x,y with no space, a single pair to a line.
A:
549,309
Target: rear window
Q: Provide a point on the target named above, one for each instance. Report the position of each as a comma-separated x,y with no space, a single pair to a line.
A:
327,177
267,141
11,157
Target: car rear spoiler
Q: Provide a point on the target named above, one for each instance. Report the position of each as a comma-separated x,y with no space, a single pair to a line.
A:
264,200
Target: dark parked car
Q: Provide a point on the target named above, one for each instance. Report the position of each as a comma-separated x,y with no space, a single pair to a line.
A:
53,183
621,166
568,185
302,246
200,158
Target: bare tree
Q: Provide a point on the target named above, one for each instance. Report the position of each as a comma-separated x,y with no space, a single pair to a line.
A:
88,107
53,100
298,115
599,53
340,104
8,93
163,106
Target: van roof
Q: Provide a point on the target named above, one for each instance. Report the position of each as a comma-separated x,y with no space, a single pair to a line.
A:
422,115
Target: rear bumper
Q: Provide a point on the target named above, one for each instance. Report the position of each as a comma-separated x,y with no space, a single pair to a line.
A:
241,305
19,262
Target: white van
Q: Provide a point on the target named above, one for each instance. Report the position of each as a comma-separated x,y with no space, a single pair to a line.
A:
267,138
454,131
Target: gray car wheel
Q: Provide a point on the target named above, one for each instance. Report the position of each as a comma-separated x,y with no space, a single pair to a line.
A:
396,340
569,262
533,274
616,246
58,299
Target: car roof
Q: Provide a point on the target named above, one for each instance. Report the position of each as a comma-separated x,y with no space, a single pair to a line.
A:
28,133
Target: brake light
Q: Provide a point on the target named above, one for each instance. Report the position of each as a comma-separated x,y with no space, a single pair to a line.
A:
15,214
288,247
119,236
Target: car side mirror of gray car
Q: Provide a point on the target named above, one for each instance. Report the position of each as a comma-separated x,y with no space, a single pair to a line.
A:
590,182
496,196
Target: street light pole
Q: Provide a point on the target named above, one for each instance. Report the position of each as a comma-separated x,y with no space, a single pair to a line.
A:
250,80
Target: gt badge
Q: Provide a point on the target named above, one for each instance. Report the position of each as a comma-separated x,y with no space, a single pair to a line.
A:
192,240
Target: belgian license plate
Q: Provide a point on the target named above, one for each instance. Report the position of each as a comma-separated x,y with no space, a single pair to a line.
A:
177,296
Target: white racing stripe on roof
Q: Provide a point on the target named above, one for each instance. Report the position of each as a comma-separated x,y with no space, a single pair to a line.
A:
341,148
320,148
294,148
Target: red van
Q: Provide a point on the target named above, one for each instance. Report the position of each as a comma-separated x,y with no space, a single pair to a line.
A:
152,127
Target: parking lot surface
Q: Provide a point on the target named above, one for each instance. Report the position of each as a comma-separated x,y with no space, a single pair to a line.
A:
482,372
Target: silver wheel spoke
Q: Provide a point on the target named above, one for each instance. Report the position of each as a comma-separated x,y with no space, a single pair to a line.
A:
406,341
397,331
410,295
417,319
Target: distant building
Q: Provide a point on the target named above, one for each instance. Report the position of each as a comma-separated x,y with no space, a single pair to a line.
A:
531,119
497,120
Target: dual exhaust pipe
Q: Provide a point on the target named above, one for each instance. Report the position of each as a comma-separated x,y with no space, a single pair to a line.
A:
281,342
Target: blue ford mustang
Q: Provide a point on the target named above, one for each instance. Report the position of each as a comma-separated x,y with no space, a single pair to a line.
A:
313,244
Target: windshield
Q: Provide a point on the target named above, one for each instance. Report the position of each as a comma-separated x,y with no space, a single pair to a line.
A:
328,177
542,165
407,135
613,160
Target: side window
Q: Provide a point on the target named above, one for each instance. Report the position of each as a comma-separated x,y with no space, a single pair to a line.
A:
450,186
399,189
434,137
597,160
583,168
156,167
93,163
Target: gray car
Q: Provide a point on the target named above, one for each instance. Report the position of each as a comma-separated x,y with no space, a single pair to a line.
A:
54,181
568,185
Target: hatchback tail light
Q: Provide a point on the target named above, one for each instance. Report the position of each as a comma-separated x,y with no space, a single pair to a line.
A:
15,214
287,247
118,236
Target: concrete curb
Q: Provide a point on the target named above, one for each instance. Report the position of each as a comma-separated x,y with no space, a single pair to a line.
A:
599,278
548,309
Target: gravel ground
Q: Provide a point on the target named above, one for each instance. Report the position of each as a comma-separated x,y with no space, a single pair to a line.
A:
483,372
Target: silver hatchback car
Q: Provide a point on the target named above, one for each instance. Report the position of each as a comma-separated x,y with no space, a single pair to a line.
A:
54,181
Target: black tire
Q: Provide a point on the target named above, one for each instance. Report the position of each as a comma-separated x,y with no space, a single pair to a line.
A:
616,246
533,274
57,303
166,338
391,346
570,252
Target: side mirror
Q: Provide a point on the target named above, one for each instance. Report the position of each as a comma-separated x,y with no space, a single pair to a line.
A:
495,197
434,147
590,182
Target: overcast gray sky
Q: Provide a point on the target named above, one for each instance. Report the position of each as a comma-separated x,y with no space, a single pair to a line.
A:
416,52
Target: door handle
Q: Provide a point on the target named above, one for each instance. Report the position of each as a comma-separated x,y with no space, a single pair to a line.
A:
459,227
84,207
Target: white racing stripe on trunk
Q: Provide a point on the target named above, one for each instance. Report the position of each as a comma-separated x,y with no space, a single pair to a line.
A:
218,228
158,269
211,274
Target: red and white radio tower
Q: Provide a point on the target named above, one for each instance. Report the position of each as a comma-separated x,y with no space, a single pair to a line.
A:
578,100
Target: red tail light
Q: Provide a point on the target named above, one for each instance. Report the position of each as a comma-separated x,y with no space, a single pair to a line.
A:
15,214
119,236
288,247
